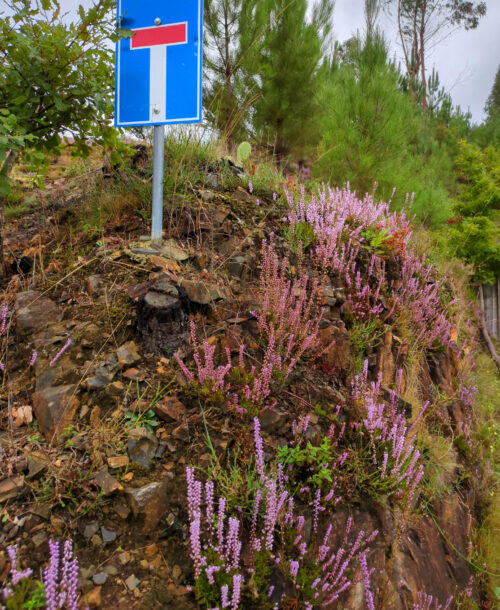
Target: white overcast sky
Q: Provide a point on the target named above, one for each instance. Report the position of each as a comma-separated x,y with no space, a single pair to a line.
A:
466,61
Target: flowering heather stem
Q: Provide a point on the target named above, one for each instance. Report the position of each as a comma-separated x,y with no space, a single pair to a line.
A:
3,318
60,352
428,602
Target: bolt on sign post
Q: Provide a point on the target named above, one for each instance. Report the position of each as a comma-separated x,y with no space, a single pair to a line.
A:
159,75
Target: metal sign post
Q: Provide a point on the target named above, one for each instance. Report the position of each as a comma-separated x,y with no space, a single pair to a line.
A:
159,75
158,164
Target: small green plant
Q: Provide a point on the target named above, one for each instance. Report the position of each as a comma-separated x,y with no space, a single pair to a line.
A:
316,459
364,335
243,153
376,240
28,594
67,436
303,233
147,420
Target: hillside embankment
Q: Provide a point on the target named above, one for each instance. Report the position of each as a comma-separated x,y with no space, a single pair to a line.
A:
274,408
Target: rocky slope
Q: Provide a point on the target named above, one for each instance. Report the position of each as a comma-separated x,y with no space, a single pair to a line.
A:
127,362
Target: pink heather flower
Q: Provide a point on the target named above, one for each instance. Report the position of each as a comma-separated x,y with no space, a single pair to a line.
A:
3,319
15,574
60,352
210,571
224,596
275,196
220,524
317,507
366,582
250,186
235,601
51,577
34,357
259,449
187,373
69,578
294,570
198,558
6,592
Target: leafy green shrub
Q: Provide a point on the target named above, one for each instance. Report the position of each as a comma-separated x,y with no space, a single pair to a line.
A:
475,231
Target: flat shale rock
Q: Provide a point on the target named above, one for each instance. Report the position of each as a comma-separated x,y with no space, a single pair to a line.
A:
203,293
34,311
142,446
11,488
55,409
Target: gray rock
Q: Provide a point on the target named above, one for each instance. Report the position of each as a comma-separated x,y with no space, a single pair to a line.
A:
142,446
132,582
11,488
36,465
236,267
94,283
39,539
108,536
103,376
90,530
100,578
330,295
202,292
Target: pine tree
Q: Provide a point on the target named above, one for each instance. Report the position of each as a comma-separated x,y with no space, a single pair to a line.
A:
231,29
492,108
286,69
374,135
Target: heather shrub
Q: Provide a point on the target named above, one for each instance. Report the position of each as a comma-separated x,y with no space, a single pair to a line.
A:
342,223
277,563
346,227
418,295
245,389
375,456
288,321
289,313
59,586
363,293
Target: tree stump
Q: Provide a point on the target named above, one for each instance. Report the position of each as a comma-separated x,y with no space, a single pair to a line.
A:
161,322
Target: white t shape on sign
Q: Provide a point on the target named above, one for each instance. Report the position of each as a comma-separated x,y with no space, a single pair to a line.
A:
157,39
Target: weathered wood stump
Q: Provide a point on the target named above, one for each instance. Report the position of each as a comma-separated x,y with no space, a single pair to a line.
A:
162,321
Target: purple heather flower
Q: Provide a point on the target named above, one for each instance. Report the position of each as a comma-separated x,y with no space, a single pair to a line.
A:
3,318
51,577
224,596
259,449
60,352
237,582
294,570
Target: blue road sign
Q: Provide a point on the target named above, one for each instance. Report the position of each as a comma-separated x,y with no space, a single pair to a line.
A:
159,69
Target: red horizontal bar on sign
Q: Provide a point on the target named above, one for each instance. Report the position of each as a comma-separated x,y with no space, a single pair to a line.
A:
160,35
